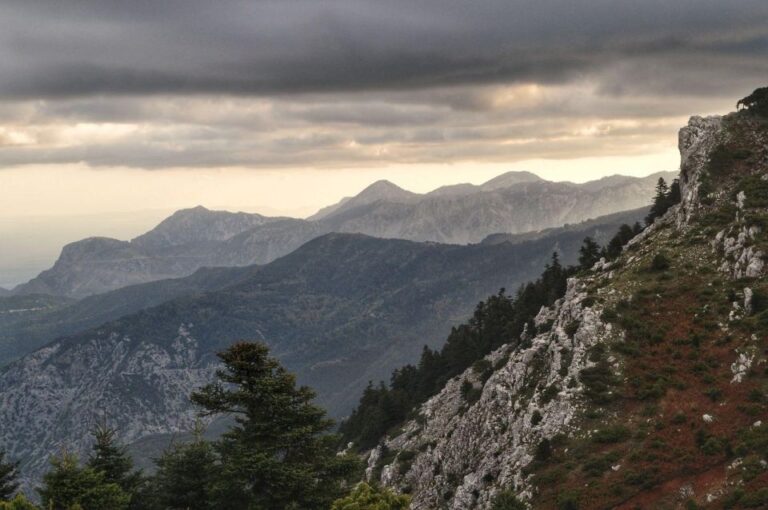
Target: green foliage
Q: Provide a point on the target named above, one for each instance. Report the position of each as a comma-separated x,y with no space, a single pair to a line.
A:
185,478
609,435
8,474
507,500
666,197
623,236
68,484
722,160
596,466
757,499
17,503
543,450
589,253
568,501
756,102
756,190
280,454
469,393
571,328
365,497
660,262
112,460
599,380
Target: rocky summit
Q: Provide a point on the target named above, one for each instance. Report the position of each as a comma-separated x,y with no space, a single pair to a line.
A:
644,386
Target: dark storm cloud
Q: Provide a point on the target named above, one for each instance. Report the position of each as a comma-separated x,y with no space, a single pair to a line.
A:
65,48
333,83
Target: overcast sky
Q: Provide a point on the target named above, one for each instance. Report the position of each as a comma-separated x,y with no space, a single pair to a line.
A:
288,105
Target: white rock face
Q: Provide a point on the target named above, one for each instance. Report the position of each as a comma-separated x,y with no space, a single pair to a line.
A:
464,456
741,259
748,294
62,391
741,366
695,141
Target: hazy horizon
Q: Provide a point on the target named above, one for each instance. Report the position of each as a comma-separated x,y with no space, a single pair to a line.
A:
285,107
32,242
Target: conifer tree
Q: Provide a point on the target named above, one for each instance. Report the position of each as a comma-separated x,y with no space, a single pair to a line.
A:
19,502
659,201
280,453
589,253
185,477
68,485
8,474
112,460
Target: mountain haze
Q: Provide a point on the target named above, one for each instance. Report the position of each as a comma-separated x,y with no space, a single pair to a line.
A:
515,202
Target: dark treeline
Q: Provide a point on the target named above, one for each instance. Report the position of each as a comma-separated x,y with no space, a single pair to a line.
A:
500,319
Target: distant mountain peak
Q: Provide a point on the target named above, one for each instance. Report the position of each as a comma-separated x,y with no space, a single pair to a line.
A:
510,179
379,190
384,189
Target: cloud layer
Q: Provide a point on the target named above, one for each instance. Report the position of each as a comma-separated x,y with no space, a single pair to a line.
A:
181,83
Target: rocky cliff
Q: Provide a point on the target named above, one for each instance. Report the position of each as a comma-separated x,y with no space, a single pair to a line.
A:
645,386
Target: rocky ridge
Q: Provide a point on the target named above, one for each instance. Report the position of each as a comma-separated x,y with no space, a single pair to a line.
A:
490,442
537,429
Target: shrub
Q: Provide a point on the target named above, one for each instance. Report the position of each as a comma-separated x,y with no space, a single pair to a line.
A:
757,499
507,500
365,497
615,434
723,158
756,102
470,393
17,503
568,501
543,450
712,446
660,262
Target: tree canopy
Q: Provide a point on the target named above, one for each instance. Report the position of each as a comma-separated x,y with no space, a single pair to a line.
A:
756,102
365,497
8,474
68,485
280,453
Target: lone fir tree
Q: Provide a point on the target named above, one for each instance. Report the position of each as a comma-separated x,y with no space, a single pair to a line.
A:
280,453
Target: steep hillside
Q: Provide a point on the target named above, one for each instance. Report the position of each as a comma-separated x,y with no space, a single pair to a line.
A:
645,386
341,310
27,322
193,238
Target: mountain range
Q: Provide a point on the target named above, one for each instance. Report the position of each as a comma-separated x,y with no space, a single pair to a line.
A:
515,202
341,310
